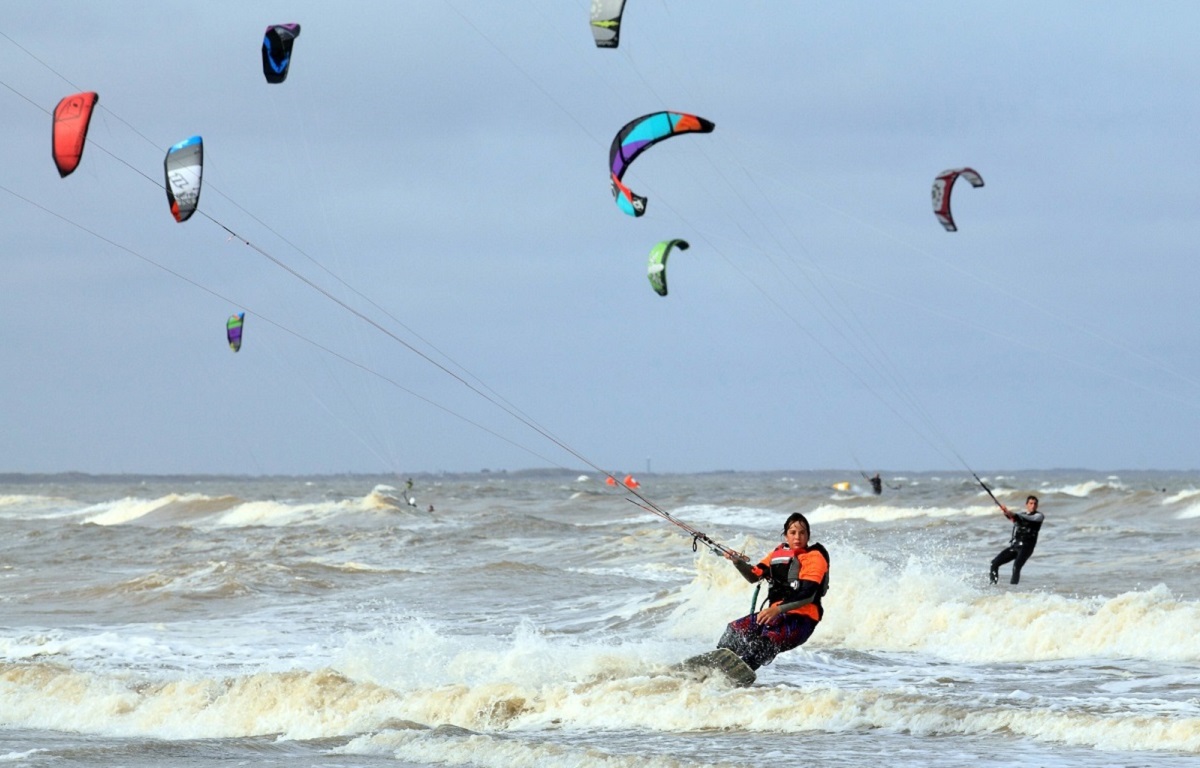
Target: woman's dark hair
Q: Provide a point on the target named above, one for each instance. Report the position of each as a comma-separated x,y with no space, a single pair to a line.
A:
796,517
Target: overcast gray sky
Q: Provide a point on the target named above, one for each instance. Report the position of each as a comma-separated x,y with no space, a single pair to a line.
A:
447,161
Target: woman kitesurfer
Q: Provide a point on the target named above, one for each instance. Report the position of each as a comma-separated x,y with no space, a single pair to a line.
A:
1026,526
798,574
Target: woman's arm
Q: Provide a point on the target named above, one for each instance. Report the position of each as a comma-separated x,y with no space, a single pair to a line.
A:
749,572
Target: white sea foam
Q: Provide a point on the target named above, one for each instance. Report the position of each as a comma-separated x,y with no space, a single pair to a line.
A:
19,756
130,509
507,688
1184,495
939,612
828,513
1084,489
275,513
461,747
19,506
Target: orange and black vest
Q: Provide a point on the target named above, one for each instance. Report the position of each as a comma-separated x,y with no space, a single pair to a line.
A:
785,568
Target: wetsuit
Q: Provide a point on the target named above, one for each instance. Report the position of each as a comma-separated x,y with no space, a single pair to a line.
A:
877,485
798,579
1024,538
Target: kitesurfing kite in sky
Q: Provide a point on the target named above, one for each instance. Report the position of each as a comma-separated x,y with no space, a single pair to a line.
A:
658,263
635,138
233,330
606,22
183,167
941,193
277,51
72,117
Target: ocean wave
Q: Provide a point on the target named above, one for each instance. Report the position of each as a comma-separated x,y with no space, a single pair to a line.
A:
174,508
15,757
931,603
827,513
461,746
199,510
1018,627
1084,489
292,705
620,694
19,506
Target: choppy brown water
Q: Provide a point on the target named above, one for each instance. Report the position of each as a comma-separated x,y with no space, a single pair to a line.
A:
531,618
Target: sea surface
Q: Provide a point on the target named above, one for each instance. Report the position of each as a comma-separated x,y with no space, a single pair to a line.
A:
532,619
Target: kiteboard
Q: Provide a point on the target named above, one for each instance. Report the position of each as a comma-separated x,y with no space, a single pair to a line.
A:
842,486
723,662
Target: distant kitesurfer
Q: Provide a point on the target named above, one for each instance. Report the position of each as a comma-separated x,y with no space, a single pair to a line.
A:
877,484
798,574
1026,526
412,500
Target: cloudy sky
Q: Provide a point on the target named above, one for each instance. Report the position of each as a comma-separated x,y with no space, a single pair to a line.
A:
438,278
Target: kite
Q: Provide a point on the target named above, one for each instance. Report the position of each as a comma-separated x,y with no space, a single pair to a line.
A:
941,193
183,167
233,330
635,138
658,263
277,51
606,22
72,117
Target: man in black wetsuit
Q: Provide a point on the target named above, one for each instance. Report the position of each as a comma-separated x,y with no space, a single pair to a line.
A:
876,484
1026,526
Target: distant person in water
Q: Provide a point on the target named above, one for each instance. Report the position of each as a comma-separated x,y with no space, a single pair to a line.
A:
877,484
1026,526
798,574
